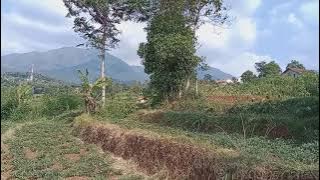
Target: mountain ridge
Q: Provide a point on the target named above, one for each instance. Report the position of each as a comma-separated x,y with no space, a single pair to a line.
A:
63,63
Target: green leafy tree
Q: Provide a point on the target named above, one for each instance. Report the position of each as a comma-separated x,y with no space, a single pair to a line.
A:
248,76
89,90
267,69
169,55
295,64
195,13
96,21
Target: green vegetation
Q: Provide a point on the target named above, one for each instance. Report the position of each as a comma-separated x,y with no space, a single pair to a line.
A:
248,76
273,87
268,69
40,151
267,123
295,64
169,55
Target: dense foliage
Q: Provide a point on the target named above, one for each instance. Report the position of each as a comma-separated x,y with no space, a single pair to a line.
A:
267,69
169,55
273,87
295,64
248,76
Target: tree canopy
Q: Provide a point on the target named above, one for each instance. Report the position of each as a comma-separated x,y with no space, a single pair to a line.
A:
248,76
295,64
169,55
267,69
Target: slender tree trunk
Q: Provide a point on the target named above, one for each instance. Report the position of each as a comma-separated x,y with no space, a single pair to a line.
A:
197,89
180,94
102,75
102,66
187,84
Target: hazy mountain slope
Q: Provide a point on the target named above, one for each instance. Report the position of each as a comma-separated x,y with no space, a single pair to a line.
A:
216,74
115,68
63,64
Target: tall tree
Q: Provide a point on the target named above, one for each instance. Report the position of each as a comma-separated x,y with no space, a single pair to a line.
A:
169,55
96,21
267,69
295,64
248,76
195,12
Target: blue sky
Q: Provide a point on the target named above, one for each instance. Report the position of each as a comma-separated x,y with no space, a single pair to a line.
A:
278,30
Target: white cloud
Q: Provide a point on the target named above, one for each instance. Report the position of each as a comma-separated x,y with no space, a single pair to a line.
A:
243,7
246,28
239,63
213,37
18,19
252,5
53,6
278,9
294,20
132,34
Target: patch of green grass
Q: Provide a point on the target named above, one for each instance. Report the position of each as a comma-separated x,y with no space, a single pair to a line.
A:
48,150
295,118
5,125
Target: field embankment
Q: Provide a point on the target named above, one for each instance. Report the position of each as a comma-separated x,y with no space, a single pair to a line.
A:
153,152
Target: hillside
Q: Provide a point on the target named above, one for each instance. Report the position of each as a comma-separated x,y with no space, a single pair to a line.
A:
216,74
14,78
63,64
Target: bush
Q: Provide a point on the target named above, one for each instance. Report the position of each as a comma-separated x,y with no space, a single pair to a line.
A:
120,105
278,86
14,100
8,103
296,118
55,105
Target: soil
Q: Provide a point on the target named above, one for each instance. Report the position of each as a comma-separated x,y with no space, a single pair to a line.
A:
29,154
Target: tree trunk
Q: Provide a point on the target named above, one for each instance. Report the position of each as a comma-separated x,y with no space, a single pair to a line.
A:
102,66
197,90
188,84
180,94
102,75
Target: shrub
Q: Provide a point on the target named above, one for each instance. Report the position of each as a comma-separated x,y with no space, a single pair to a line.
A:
278,86
14,100
55,105
120,105
296,118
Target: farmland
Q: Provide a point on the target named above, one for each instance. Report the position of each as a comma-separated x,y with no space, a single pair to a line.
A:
243,133
160,90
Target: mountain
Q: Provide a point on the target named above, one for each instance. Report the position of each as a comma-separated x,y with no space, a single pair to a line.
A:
216,74
63,63
115,68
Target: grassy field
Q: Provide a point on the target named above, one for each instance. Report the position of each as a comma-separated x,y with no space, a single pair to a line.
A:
196,137
48,150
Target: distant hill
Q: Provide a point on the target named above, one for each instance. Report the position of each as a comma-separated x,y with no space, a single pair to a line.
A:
216,74
14,78
63,63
